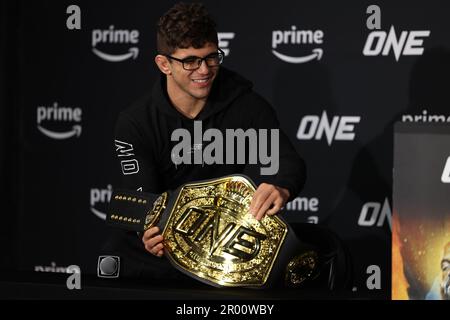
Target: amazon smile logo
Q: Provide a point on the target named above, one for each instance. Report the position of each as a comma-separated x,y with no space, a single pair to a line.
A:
56,113
113,36
297,37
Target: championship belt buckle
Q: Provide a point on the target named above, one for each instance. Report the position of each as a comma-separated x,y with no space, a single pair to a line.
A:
209,234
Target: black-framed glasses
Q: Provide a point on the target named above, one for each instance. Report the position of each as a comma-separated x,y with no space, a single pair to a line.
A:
193,63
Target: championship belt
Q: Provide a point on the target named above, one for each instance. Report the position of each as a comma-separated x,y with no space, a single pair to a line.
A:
210,235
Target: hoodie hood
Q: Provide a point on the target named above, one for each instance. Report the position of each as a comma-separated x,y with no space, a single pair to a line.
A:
227,87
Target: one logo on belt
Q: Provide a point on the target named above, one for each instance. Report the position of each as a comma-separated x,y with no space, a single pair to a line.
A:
203,228
446,173
405,43
100,196
113,36
54,116
297,37
210,234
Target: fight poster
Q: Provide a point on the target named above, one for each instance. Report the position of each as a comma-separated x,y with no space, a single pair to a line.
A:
421,215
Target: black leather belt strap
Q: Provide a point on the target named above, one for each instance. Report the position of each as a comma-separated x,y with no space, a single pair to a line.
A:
210,235
128,209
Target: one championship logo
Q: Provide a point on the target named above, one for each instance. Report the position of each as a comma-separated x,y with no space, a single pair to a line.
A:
211,234
112,36
380,42
335,128
58,114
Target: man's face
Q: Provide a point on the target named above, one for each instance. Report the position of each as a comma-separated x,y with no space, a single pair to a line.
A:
196,83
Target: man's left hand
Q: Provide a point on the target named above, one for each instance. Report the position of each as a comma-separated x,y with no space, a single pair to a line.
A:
268,199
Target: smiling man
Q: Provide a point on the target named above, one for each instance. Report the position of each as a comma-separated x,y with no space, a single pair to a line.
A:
193,88
190,77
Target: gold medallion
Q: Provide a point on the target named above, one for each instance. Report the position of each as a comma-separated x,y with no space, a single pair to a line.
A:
153,216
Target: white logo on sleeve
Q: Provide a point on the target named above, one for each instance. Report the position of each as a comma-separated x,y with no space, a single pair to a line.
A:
56,115
125,152
113,36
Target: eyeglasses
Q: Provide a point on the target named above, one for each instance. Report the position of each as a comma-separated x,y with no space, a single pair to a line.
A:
193,63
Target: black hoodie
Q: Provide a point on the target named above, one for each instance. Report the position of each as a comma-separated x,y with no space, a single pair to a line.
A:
143,145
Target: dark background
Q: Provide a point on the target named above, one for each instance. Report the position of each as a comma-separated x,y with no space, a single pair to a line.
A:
47,185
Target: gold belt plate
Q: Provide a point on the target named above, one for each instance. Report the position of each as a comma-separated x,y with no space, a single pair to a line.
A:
211,234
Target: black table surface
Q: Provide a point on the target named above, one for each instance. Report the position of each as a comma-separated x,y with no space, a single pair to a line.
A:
15,285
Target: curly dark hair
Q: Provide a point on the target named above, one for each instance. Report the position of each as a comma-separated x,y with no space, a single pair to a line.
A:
185,25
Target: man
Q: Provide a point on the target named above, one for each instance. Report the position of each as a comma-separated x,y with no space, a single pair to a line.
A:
193,87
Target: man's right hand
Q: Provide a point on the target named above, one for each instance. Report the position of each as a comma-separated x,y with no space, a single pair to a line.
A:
153,242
